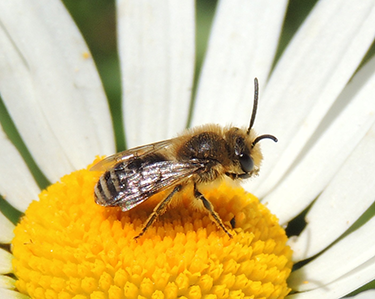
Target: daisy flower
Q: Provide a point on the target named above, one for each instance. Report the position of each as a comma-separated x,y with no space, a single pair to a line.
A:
317,99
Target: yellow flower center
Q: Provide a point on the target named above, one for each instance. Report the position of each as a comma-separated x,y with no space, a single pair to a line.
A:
66,246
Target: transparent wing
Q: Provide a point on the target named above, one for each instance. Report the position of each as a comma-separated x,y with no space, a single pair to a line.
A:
139,151
133,185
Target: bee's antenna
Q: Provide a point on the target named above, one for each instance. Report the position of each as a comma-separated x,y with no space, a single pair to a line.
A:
255,105
265,136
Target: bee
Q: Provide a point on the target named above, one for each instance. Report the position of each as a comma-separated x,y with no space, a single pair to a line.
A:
198,156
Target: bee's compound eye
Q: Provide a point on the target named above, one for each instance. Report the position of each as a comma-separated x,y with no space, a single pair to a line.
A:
247,163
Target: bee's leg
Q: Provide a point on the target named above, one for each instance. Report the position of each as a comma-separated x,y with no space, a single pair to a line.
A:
233,222
208,205
158,210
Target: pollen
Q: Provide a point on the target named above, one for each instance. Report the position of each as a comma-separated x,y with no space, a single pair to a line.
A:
67,246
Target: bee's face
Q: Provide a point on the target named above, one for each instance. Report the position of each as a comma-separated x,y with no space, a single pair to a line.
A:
245,156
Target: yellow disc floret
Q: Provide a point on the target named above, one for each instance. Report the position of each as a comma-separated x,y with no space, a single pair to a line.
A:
66,246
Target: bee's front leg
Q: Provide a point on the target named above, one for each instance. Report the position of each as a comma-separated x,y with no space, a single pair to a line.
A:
209,207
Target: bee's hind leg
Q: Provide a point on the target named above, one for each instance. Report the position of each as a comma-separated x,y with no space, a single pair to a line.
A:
209,207
158,210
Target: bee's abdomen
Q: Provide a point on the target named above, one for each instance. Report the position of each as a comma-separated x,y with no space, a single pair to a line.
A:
107,189
129,182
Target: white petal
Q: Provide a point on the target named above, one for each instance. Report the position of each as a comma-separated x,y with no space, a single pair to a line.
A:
342,286
242,46
353,115
5,261
6,283
8,294
311,74
51,88
156,46
346,255
370,294
6,228
17,185
348,196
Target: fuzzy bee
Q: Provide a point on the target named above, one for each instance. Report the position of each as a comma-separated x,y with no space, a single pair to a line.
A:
199,155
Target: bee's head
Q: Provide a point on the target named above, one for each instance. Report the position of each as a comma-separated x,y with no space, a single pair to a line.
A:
243,146
245,152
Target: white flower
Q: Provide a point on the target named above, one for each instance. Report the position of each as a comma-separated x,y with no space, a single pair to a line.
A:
315,100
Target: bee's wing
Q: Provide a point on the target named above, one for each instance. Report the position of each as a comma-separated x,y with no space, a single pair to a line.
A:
138,151
133,186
